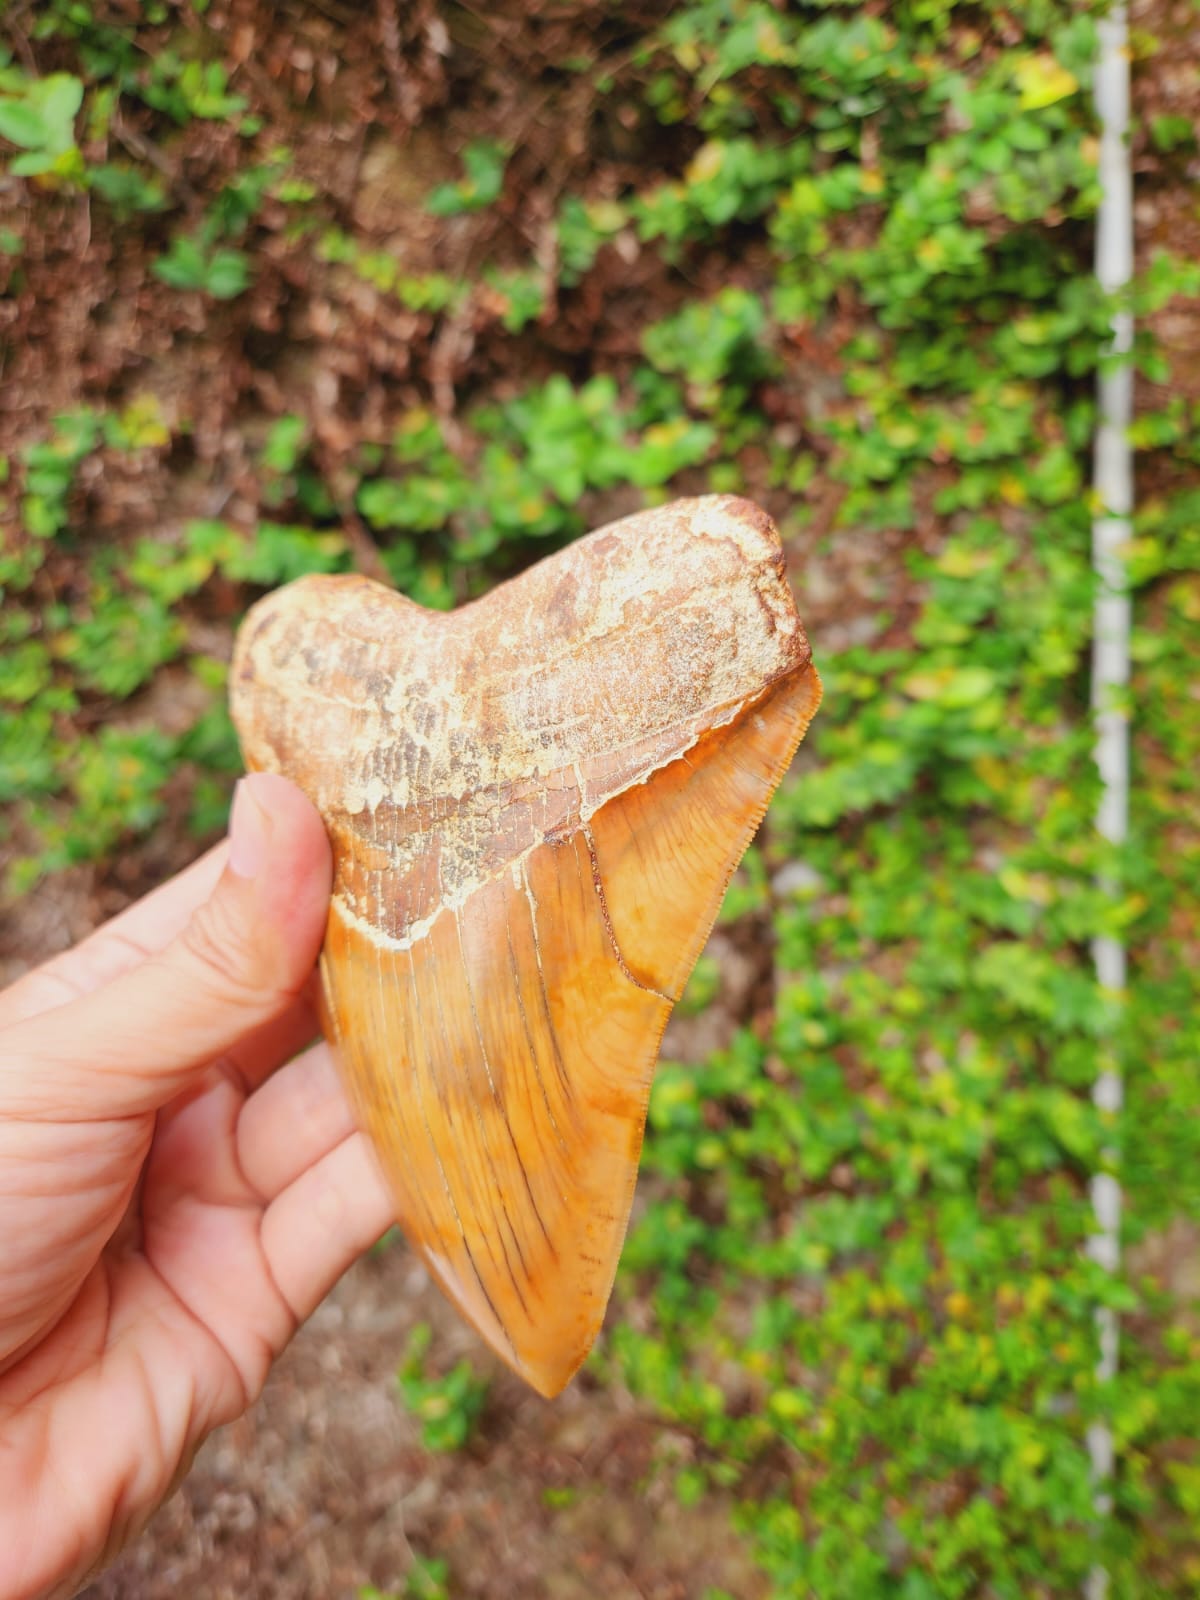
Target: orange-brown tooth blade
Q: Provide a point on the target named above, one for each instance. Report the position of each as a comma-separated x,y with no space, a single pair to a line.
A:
535,806
510,1119
665,850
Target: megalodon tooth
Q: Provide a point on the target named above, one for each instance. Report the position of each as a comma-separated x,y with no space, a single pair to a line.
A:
535,805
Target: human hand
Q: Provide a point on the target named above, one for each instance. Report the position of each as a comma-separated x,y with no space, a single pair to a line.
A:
170,1212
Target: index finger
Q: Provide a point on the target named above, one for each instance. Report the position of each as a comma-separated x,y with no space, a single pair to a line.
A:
129,938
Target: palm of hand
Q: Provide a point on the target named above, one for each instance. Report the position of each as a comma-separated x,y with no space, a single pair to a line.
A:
169,1211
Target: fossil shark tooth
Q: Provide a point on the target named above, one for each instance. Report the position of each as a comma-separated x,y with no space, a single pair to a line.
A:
535,804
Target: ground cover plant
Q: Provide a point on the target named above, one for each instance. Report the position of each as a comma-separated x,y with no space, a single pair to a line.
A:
426,291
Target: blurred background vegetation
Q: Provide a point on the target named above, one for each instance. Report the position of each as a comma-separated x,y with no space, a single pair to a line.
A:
425,289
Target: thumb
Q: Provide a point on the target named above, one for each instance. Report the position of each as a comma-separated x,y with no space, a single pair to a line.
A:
241,960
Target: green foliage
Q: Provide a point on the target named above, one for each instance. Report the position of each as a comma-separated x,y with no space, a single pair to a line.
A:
431,292
535,458
50,469
718,347
448,1407
520,297
206,258
115,785
118,643
188,264
126,189
728,180
702,987
1170,133
484,161
37,115
582,229
186,89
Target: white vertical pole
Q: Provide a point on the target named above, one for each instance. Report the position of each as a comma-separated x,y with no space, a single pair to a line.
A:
1111,529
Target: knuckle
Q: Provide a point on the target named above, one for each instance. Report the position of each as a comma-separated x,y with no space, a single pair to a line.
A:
222,956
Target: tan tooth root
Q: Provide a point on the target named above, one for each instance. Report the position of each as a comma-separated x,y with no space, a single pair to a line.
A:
535,804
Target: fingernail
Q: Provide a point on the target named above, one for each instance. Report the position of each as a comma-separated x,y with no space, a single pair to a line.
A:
249,832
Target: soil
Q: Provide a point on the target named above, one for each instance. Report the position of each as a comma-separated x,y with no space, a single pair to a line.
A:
325,1485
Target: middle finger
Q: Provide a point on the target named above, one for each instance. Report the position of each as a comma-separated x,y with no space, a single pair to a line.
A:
298,1116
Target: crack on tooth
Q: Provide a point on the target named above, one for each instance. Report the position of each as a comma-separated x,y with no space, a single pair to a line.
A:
598,885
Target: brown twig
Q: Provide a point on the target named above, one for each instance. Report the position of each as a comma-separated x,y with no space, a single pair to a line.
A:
20,39
405,94
139,146
451,350
363,548
365,551
347,16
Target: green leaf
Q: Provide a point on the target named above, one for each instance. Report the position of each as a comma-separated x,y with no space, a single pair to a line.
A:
485,161
127,189
43,118
183,267
23,124
279,553
285,444
227,274
952,687
1043,81
59,97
